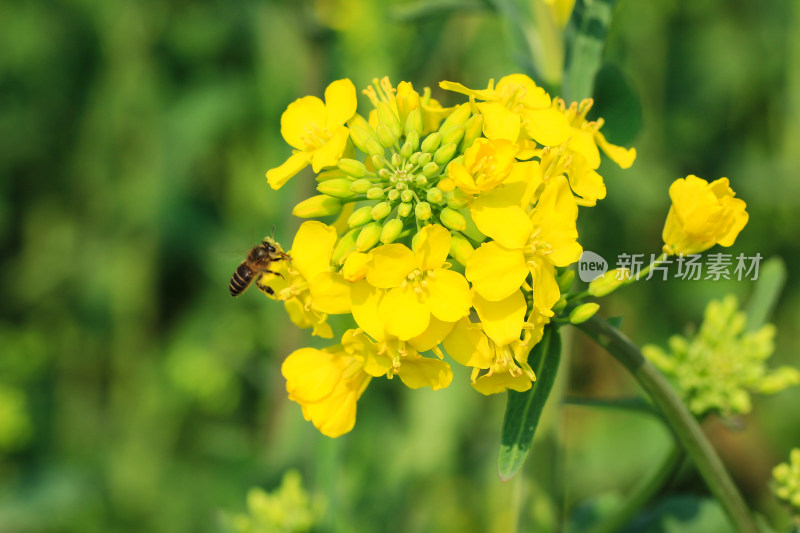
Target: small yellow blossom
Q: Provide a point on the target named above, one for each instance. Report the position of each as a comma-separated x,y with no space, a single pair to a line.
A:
307,286
418,283
316,130
702,214
485,166
517,110
786,482
523,244
403,101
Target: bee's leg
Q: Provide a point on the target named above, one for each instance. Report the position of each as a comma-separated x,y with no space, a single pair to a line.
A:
273,272
268,290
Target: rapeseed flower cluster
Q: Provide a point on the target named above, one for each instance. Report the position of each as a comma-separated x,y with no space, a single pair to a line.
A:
455,226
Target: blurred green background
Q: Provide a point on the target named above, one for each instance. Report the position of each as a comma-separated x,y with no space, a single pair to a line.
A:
136,395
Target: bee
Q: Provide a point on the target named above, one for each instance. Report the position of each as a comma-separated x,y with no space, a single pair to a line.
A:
258,262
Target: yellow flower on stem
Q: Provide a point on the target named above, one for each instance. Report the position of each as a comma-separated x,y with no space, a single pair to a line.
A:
497,348
390,355
418,284
517,110
525,244
327,384
403,101
485,166
585,137
307,286
702,214
316,130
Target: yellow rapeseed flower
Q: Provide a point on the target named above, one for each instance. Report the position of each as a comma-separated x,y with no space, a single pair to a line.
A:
418,283
307,286
485,166
517,110
702,214
525,243
316,130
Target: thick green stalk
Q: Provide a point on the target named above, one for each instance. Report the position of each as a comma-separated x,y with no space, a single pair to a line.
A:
643,493
686,428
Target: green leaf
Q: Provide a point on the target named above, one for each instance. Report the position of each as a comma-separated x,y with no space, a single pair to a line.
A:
524,408
591,18
771,279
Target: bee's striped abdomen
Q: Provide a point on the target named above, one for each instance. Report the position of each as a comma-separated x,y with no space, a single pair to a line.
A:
241,279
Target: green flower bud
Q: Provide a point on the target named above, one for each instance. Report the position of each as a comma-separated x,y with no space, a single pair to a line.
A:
406,150
406,196
609,282
431,142
460,248
458,199
381,210
458,159
423,210
337,187
352,167
472,130
378,162
374,147
414,122
393,195
369,236
403,210
414,158
435,196
361,133
453,135
388,117
360,216
401,186
458,117
560,305
391,230
582,313
420,180
424,158
413,139
361,186
453,219
444,153
565,281
346,244
430,169
397,161
321,205
385,135
331,173
385,173
375,193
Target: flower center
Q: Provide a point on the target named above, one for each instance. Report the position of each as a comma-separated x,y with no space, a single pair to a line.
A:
315,136
418,279
535,246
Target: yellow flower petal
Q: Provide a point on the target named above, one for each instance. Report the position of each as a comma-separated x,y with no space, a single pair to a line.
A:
624,157
501,382
506,223
582,141
499,122
278,176
312,248
468,345
448,295
545,288
404,313
310,374
432,246
391,263
480,94
496,272
335,416
546,126
355,266
364,306
502,320
558,198
340,102
300,117
330,293
417,372
329,154
436,331
534,96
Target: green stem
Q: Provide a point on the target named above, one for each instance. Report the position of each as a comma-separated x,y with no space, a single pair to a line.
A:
682,422
643,493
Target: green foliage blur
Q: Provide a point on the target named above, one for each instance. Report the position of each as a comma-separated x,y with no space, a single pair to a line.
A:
137,395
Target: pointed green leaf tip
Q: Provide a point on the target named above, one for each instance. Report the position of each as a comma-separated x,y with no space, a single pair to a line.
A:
524,408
